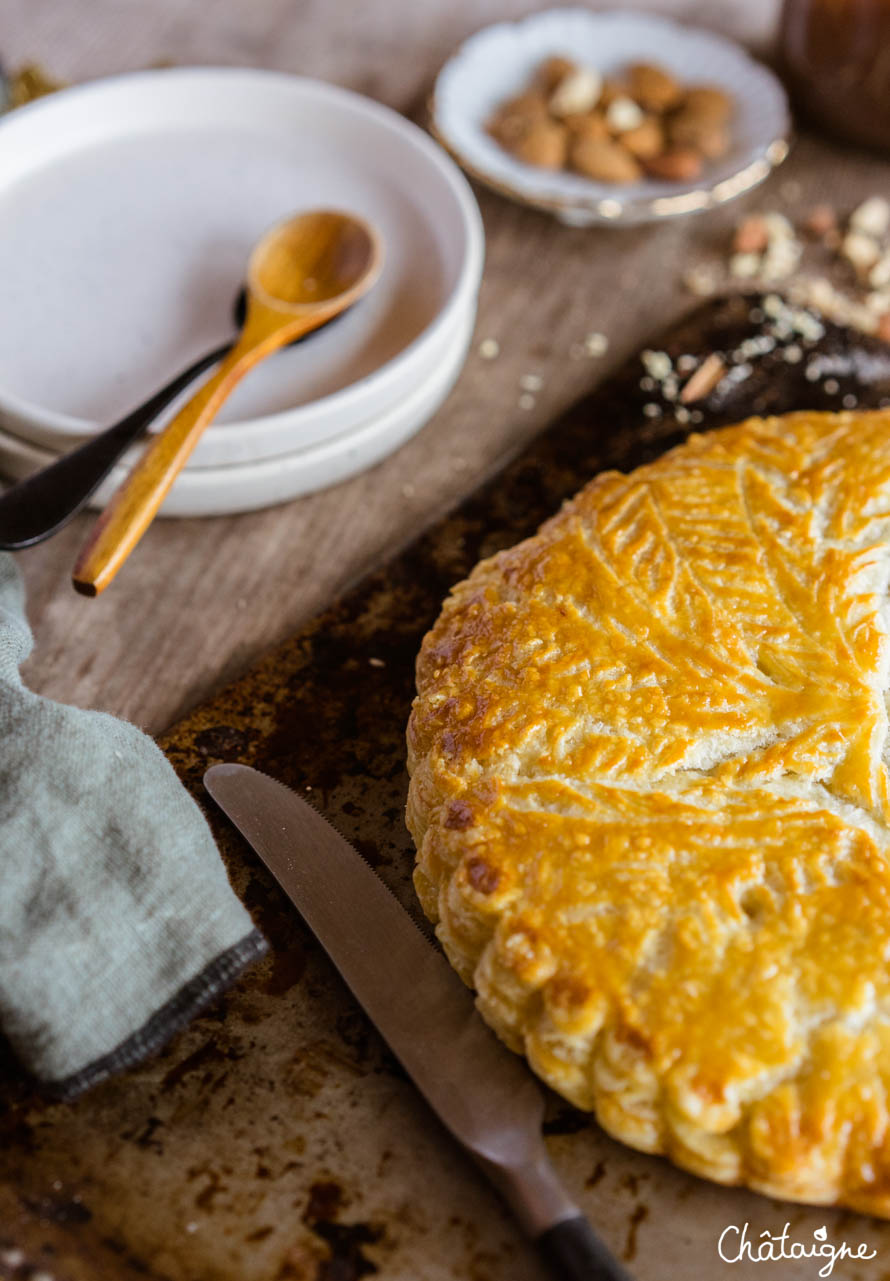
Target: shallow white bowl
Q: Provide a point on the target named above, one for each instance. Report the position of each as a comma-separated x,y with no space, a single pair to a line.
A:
499,62
128,208
217,491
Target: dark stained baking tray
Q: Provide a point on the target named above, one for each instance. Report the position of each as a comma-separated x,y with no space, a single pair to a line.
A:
276,1138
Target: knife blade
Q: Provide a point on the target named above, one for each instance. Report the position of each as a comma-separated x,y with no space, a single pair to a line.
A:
483,1093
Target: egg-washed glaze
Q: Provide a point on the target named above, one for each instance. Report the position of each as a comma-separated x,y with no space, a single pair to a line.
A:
650,800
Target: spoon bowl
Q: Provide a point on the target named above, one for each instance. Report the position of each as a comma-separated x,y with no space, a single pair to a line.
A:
313,259
303,272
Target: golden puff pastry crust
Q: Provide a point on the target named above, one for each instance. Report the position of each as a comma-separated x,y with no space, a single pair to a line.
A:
649,793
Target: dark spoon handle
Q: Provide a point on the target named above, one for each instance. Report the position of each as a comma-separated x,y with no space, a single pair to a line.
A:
40,505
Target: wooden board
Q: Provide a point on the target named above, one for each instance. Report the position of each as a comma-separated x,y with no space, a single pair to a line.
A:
277,1138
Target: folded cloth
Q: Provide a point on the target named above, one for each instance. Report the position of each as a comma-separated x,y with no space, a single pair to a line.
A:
117,920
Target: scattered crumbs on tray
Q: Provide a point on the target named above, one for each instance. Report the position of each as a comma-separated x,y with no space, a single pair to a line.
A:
826,263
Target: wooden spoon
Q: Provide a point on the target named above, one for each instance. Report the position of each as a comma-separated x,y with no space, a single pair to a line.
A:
302,273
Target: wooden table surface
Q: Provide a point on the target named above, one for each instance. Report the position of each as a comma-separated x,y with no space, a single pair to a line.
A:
200,599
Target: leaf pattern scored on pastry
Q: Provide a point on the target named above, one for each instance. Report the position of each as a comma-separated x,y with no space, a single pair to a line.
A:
650,800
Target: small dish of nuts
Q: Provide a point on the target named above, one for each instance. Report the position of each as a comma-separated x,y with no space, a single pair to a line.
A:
615,129
612,117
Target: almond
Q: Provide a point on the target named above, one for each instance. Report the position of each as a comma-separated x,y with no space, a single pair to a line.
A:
690,128
708,102
612,89
514,118
653,87
646,141
552,71
709,373
545,144
680,164
603,160
589,125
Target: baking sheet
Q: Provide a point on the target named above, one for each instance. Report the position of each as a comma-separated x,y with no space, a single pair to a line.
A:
276,1139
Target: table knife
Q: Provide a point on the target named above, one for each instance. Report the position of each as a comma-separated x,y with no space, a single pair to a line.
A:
483,1093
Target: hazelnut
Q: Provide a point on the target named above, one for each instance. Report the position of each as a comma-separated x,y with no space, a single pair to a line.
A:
579,91
604,160
544,144
653,87
708,103
679,164
622,114
646,140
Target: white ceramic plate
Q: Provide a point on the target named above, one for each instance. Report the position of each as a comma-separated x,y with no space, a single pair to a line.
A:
127,211
498,62
217,491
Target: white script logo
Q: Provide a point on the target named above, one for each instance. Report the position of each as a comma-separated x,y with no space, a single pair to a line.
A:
735,1245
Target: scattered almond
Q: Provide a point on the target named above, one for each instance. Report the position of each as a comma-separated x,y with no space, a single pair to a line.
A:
709,373
861,251
872,217
653,88
680,164
604,160
882,330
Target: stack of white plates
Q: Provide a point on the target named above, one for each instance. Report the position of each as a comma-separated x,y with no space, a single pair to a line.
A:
128,209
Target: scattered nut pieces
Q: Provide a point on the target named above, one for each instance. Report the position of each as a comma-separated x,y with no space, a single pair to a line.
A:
872,217
751,236
882,329
489,349
861,251
614,129
821,221
596,344
709,373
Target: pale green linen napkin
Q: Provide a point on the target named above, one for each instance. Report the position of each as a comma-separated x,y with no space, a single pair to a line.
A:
117,920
